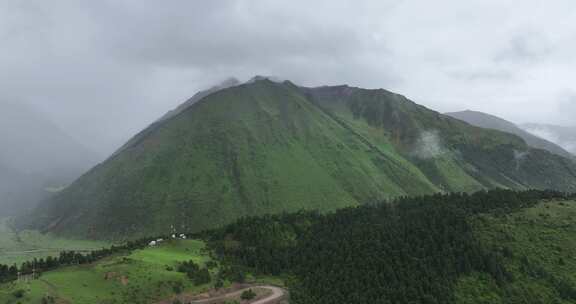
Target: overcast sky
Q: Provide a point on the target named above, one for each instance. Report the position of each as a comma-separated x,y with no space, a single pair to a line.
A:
105,69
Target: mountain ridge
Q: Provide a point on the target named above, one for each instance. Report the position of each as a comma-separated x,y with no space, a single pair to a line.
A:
564,136
269,147
485,120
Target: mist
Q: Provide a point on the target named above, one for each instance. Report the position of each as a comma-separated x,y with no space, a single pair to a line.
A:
428,145
80,78
104,70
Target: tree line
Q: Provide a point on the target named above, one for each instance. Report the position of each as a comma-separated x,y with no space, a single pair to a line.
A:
410,250
10,273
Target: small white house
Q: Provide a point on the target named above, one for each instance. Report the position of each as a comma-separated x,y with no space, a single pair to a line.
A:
152,243
173,236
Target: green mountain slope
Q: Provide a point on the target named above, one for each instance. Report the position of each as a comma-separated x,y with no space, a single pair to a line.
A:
561,135
484,120
454,155
267,147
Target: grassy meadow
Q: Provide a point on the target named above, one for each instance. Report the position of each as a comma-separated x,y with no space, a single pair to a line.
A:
143,276
16,248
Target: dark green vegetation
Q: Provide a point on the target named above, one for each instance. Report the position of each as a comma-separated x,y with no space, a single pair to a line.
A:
484,120
196,273
496,246
266,147
538,248
248,295
489,247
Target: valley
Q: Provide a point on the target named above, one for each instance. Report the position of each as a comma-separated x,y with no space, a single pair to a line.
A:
148,275
287,152
331,194
489,247
20,246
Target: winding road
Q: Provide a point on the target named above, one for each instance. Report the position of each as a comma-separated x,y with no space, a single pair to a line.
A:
277,294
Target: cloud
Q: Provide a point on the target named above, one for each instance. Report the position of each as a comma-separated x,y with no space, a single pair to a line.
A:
105,69
428,145
526,47
567,107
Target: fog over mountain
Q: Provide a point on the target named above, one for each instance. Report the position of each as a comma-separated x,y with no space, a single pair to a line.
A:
535,140
33,144
35,156
104,70
144,159
563,136
100,72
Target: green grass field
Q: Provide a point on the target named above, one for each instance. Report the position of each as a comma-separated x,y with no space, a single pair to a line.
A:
27,245
143,276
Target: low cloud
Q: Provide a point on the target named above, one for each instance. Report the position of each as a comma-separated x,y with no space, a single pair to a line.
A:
519,157
103,70
428,145
565,137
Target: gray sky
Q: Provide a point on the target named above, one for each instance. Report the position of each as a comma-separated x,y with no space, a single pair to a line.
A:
105,69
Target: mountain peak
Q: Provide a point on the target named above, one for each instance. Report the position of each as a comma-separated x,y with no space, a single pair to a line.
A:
262,78
269,147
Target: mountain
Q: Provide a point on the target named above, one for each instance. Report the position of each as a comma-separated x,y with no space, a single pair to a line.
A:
18,191
36,155
34,144
561,135
268,147
230,82
484,120
498,246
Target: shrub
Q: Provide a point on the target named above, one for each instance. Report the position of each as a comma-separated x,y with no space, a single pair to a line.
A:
19,293
248,295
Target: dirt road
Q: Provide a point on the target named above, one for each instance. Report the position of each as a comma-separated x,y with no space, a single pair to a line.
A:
277,294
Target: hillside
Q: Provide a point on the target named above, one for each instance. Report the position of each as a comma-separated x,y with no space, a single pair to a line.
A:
140,276
496,246
561,135
484,120
489,247
267,147
181,108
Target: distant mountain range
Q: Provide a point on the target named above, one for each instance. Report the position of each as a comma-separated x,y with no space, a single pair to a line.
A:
35,155
561,135
534,140
268,147
19,191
